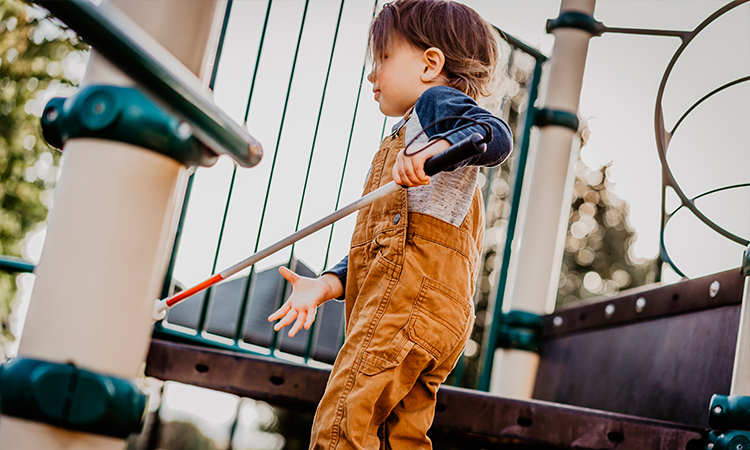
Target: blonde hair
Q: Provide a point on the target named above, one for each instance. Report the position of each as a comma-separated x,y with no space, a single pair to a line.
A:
468,42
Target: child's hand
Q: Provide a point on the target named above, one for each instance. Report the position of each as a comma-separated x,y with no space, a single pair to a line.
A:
409,170
307,295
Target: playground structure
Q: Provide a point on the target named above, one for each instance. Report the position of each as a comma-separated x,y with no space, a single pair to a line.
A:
590,385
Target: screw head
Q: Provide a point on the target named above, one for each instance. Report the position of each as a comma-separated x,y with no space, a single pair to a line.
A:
710,445
184,130
51,114
718,409
609,310
557,321
640,304
713,290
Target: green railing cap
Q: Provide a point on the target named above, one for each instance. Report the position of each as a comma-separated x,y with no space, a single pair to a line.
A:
12,264
68,397
122,114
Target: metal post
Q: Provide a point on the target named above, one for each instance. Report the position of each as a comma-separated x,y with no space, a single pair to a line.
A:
741,371
108,237
545,206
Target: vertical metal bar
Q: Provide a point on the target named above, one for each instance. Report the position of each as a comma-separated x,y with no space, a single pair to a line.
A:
308,347
348,145
170,269
497,306
279,297
490,174
741,369
207,297
247,292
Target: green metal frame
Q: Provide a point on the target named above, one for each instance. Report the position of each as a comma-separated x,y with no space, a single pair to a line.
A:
491,337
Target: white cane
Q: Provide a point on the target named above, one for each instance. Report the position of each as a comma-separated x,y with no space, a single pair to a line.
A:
471,146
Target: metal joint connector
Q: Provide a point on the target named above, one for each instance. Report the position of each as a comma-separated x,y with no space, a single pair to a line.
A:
545,117
745,267
122,114
68,397
520,330
578,20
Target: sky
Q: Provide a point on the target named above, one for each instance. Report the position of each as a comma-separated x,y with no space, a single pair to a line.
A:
620,85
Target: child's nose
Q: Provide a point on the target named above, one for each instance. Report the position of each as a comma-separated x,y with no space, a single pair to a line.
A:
371,76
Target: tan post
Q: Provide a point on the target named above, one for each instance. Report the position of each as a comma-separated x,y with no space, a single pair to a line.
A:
535,263
108,238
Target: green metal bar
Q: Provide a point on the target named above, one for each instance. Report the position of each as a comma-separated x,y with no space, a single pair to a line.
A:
208,297
349,145
188,189
11,264
220,46
309,346
274,336
247,294
497,308
519,44
143,59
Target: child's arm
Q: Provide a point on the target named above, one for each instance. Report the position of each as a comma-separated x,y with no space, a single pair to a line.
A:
307,295
441,102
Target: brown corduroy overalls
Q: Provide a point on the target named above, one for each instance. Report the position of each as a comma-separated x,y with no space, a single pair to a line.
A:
409,314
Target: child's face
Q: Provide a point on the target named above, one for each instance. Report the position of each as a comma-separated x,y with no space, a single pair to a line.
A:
396,78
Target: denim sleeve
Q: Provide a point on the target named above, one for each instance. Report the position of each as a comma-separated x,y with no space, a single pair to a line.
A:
340,271
443,101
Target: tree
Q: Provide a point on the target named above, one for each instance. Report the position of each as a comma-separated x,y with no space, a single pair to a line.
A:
597,259
39,58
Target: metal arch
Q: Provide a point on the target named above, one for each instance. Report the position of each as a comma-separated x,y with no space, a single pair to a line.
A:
663,138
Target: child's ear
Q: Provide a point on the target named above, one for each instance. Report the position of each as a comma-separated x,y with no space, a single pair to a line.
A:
433,60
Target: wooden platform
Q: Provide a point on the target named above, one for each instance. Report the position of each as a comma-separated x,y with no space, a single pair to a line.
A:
477,418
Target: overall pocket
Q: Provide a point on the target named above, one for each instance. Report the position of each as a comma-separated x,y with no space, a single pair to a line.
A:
439,318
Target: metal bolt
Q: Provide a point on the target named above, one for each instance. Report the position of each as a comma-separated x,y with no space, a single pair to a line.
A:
710,445
184,130
609,311
51,115
640,304
557,321
718,409
713,290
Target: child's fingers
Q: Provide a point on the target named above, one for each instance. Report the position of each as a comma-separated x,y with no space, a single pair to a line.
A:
310,318
288,274
280,312
298,324
289,318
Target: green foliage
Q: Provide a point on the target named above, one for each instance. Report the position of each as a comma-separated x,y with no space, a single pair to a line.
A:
35,54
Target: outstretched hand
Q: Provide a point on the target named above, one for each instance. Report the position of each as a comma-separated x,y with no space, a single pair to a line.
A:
409,170
302,305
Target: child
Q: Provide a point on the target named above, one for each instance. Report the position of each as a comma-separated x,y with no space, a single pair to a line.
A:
409,277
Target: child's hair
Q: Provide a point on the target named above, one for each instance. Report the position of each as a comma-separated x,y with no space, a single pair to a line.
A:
468,42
